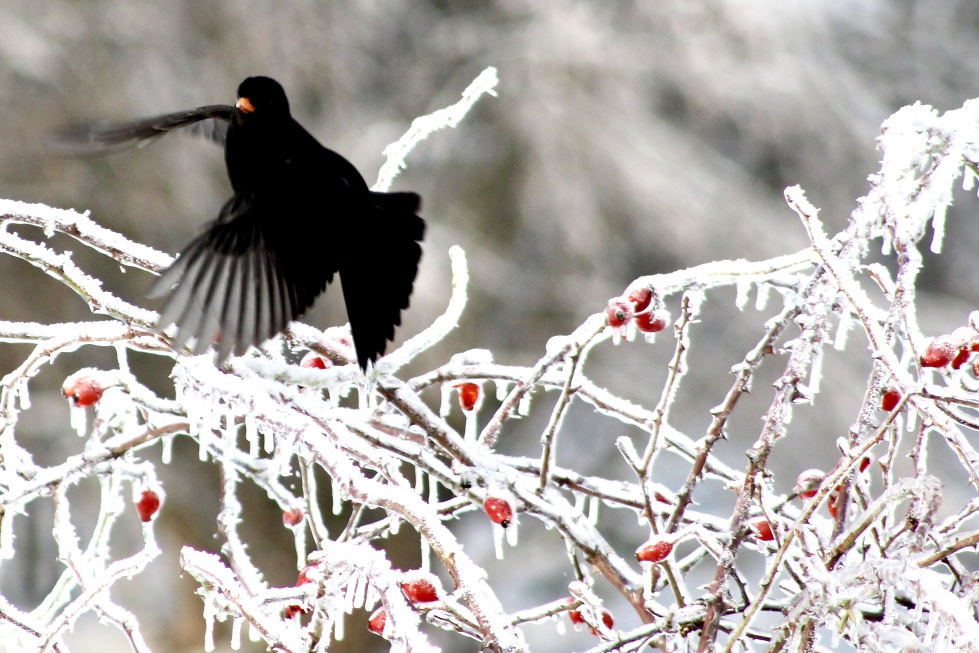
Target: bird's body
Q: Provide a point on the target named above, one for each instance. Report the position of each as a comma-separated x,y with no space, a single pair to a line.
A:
299,214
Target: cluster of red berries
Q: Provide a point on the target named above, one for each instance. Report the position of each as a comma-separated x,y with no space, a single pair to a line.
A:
294,611
637,306
952,350
418,588
577,619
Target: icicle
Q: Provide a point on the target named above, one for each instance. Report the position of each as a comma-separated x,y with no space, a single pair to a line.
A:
815,373
350,594
559,625
209,624
251,434
337,633
361,594
843,330
743,290
203,437
938,225
299,534
253,634
236,625
23,396
166,449
761,296
7,534
511,533
886,246
470,433
79,420
498,532
579,502
193,405
616,335
968,179
593,504
426,548
230,428
395,526
502,390
269,444
419,481
523,407
337,498
121,357
445,407
373,596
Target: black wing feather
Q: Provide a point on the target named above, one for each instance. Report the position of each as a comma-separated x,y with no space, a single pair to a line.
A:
377,283
233,282
100,139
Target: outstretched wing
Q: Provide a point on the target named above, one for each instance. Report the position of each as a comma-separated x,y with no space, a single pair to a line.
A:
241,281
99,139
378,273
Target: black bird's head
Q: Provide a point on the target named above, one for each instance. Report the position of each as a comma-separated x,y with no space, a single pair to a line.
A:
261,98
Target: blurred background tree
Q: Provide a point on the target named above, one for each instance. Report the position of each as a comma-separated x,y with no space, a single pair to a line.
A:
628,138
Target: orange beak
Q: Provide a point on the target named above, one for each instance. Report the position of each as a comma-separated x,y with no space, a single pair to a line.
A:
244,105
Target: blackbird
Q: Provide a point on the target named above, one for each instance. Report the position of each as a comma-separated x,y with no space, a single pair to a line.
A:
299,213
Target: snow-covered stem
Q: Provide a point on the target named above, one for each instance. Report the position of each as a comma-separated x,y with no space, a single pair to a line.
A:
422,127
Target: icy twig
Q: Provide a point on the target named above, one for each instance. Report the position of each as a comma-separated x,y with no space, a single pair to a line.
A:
422,127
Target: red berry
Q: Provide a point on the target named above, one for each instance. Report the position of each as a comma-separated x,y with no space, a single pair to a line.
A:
939,353
961,358
864,463
312,360
653,321
82,389
575,617
662,494
148,504
419,589
499,510
655,550
376,621
607,619
468,395
292,517
640,296
303,577
762,529
807,483
619,312
889,400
